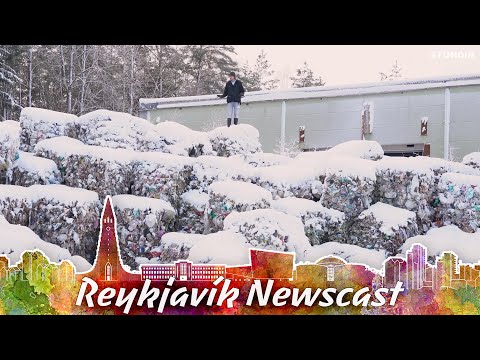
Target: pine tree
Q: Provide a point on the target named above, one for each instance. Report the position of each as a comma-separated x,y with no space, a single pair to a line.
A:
8,82
395,73
305,78
260,76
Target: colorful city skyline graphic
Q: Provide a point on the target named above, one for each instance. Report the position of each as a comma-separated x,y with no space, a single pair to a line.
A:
35,285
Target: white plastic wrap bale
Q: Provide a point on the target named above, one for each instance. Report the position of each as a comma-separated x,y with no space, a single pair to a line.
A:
289,180
112,129
263,159
321,224
233,140
408,184
207,169
270,229
174,138
363,149
383,226
161,176
9,146
459,196
472,159
349,185
67,217
321,161
228,196
15,204
15,239
191,214
141,223
39,124
29,169
174,246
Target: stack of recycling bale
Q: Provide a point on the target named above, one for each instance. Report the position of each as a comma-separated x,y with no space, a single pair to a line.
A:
263,159
191,214
472,159
15,204
141,223
383,227
228,196
270,229
321,224
39,124
459,196
240,139
67,217
174,246
30,170
9,145
363,149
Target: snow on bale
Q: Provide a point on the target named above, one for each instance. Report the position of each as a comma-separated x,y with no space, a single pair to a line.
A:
191,214
15,239
29,169
288,180
270,229
9,145
236,139
67,217
39,124
459,196
141,223
228,196
349,185
472,159
321,224
174,246
174,138
363,149
350,253
15,204
383,227
264,159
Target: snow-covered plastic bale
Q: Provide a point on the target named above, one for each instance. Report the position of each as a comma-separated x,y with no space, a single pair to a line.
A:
472,159
406,183
363,149
39,124
383,226
350,253
321,224
270,229
349,185
228,196
161,176
112,129
233,140
191,214
15,239
174,246
29,169
264,159
9,146
174,138
15,204
459,196
141,223
288,180
67,217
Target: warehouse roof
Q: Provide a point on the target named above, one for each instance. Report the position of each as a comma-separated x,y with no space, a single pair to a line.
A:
316,92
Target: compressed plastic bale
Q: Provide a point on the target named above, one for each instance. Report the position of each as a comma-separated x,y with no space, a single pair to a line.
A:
321,224
174,246
233,140
191,214
67,217
161,176
363,149
141,223
9,146
30,170
472,159
383,226
39,124
15,204
228,196
263,159
349,185
459,196
270,229
288,180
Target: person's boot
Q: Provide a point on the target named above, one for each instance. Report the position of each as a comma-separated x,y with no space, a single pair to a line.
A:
235,121
229,122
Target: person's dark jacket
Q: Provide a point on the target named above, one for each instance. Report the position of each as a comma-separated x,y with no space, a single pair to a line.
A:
233,92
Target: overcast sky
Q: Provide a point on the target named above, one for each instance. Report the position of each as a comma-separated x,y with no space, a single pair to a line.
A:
350,64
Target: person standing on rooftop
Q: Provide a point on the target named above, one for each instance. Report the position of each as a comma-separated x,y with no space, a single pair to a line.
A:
234,91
